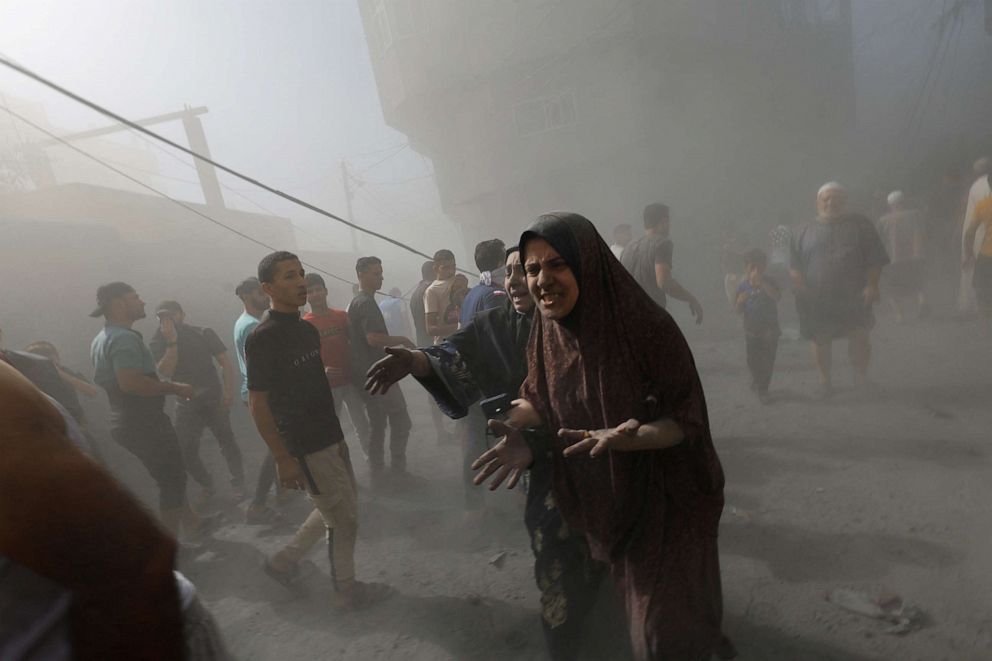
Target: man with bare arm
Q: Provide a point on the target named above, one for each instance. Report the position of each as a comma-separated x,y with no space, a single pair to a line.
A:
836,264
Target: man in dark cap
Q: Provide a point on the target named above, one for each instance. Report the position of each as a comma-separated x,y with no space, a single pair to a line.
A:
187,353
125,368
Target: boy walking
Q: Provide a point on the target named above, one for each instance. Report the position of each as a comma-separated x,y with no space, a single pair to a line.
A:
757,303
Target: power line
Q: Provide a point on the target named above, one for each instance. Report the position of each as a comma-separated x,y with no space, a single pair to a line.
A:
160,193
137,127
384,159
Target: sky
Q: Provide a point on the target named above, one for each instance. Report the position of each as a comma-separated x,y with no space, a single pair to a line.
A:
288,85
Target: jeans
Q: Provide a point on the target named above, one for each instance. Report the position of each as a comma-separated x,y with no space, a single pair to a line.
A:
474,441
382,409
761,350
349,396
191,419
153,441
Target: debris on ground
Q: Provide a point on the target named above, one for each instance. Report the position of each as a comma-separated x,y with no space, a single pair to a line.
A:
498,560
886,607
742,514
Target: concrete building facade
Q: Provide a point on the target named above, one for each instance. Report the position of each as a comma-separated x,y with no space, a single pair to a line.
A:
603,107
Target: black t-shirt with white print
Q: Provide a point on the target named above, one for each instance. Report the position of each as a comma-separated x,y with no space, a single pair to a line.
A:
283,356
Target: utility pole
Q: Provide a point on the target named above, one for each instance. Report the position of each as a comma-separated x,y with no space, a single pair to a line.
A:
347,201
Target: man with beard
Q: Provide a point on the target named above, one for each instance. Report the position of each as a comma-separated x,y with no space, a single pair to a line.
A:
125,368
836,264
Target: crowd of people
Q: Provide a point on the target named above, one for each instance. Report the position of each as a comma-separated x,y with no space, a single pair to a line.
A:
562,352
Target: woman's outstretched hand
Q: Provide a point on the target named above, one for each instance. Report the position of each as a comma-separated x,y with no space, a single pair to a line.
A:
509,458
386,371
599,441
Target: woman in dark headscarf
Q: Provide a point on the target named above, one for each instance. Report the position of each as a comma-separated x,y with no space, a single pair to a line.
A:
633,465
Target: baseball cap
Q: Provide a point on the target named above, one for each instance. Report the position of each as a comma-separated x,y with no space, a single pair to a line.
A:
168,306
107,293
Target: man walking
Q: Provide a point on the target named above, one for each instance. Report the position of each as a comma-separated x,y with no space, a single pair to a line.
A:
980,189
904,235
187,353
489,293
649,260
424,339
369,336
437,298
335,353
836,264
255,303
417,304
293,408
125,369
621,239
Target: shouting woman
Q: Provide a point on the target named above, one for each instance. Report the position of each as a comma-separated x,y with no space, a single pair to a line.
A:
633,468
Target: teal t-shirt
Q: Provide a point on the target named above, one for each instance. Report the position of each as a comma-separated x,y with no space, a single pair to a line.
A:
242,329
119,348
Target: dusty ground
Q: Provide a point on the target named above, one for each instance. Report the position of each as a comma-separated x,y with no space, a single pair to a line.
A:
883,493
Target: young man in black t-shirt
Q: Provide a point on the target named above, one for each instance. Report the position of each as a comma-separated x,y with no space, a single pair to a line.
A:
293,408
368,336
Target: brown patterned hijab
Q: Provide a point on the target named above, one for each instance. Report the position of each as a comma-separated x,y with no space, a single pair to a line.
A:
617,355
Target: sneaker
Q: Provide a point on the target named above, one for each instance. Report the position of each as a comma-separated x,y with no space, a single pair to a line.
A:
824,392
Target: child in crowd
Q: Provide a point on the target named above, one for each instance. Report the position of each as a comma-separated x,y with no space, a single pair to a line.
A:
757,303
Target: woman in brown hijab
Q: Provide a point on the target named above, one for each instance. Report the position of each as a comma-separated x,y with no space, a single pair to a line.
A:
633,465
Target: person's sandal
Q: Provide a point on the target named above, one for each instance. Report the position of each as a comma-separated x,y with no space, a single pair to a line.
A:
365,595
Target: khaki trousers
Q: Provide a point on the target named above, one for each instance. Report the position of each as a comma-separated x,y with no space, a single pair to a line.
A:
335,512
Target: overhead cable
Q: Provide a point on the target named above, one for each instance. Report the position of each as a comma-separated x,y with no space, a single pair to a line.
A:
137,127
160,193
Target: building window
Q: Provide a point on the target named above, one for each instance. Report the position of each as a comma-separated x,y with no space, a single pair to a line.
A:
547,114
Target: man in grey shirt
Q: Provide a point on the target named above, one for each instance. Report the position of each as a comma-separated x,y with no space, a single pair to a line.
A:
836,264
649,260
